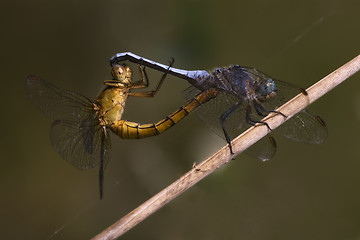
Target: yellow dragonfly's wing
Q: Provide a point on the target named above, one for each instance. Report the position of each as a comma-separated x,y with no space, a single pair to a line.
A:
76,133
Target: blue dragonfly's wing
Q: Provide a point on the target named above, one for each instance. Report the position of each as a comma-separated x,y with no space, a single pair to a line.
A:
304,127
211,111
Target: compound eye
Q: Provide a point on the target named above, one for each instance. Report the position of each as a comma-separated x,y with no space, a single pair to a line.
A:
268,87
121,73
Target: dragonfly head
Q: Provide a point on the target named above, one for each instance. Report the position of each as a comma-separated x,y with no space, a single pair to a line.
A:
121,74
266,90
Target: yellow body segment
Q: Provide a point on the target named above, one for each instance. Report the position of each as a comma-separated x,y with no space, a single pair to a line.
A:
131,130
111,104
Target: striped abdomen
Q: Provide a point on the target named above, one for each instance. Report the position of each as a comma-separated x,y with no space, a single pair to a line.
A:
132,130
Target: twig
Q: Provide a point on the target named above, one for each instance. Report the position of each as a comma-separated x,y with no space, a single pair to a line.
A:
221,157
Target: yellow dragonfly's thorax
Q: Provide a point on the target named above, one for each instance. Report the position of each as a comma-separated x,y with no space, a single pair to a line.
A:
111,104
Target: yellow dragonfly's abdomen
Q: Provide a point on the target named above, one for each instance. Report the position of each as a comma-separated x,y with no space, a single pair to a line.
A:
132,130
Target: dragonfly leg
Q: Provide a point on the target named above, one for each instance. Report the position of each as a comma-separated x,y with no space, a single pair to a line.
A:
223,118
260,108
145,83
251,121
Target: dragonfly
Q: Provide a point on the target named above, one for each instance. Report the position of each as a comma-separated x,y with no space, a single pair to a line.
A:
80,130
244,96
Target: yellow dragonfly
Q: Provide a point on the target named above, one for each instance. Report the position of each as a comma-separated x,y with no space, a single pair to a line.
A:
80,131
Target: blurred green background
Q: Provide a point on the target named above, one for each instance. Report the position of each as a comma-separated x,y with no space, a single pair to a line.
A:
305,192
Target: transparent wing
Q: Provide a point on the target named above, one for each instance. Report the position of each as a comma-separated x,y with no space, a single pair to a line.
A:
264,149
211,111
80,144
303,127
76,133
57,103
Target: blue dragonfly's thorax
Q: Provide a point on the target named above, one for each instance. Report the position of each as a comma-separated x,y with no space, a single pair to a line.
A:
242,82
233,80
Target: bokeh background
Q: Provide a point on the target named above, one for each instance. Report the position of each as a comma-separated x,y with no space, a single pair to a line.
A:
305,192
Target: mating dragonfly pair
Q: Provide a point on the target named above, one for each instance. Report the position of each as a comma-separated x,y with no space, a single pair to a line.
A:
230,99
